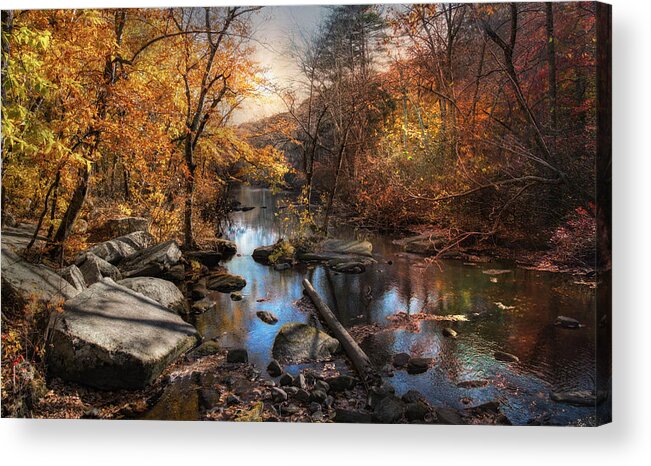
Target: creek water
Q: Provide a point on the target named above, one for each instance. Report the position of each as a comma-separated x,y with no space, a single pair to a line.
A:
519,310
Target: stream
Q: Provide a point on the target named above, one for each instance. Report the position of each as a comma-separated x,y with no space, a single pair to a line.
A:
520,308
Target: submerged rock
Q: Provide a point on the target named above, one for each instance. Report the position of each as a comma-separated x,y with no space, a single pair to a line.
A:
418,365
425,244
401,359
151,262
163,292
267,317
300,342
567,322
472,383
111,337
120,248
579,397
225,282
506,357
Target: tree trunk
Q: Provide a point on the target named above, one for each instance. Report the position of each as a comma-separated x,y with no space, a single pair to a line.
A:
7,26
189,193
551,60
74,207
604,135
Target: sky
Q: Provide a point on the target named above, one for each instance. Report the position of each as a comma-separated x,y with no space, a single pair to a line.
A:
274,29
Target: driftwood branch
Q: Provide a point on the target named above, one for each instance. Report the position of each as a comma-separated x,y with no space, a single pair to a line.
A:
352,349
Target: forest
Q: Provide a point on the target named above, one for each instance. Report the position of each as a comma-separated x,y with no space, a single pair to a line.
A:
475,133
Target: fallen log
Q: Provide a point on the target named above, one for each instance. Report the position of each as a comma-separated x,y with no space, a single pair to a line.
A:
359,359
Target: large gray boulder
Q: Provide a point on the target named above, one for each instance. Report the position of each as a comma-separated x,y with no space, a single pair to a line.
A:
341,246
346,256
23,282
162,291
425,244
225,282
73,275
151,262
297,342
111,337
117,249
95,268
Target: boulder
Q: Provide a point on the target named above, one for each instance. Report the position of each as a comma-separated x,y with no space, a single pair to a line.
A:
579,397
346,247
414,396
73,275
163,292
282,251
95,268
505,357
425,244
347,267
126,225
353,417
286,380
20,235
237,355
9,220
418,365
416,412
472,383
274,369
298,342
225,282
567,322
175,274
401,359
449,416
225,247
236,296
262,253
153,261
318,396
389,410
278,395
111,337
207,258
22,282
118,249
341,383
267,317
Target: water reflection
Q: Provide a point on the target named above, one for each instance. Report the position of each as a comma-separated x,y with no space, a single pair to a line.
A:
550,357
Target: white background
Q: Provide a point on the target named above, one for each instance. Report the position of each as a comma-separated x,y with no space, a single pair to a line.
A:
624,442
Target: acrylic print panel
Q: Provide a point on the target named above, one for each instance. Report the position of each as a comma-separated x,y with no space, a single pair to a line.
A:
366,214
